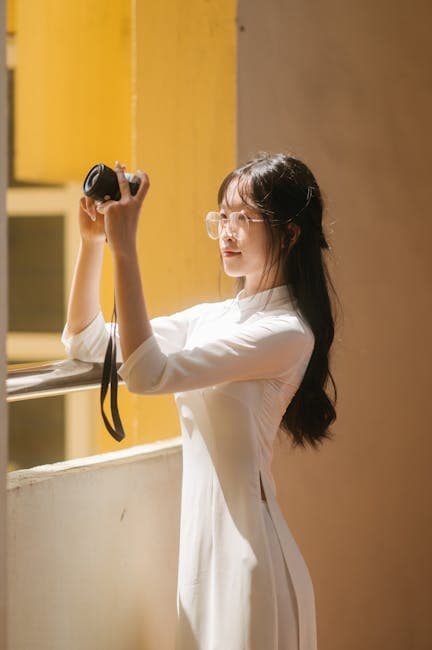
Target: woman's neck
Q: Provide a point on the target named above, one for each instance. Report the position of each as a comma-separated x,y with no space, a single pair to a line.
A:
252,284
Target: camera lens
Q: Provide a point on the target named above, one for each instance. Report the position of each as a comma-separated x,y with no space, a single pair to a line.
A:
101,182
92,177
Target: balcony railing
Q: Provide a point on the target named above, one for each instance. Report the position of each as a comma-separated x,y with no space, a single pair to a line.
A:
52,378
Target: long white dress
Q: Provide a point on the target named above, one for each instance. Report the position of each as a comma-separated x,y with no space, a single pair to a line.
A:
233,367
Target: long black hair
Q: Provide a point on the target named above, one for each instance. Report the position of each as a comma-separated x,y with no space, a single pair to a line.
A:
285,191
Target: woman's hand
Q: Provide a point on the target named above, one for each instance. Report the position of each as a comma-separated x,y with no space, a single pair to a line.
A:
91,223
121,217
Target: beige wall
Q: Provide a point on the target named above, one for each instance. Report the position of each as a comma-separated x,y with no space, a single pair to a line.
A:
346,86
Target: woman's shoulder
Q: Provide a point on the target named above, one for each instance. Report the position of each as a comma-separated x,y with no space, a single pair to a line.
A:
289,321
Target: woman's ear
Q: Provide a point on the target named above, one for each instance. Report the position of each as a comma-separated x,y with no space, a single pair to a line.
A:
291,235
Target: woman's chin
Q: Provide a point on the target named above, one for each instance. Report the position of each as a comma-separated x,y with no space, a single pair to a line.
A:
232,272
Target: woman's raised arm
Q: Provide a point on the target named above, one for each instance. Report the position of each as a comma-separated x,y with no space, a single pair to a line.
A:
121,222
84,301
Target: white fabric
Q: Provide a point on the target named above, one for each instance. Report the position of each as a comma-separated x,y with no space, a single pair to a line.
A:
286,600
233,367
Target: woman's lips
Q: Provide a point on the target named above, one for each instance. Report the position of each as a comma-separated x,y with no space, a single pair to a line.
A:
230,253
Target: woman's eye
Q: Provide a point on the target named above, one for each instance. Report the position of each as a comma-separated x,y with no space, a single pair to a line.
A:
242,218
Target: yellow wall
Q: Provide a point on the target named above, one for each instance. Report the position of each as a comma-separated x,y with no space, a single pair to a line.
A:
73,87
10,16
153,85
184,84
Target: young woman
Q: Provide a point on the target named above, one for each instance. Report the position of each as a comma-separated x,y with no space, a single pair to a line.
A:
241,369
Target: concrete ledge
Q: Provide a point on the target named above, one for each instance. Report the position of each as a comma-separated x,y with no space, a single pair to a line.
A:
93,551
138,453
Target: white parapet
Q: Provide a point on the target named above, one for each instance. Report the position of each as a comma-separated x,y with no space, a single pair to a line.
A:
93,550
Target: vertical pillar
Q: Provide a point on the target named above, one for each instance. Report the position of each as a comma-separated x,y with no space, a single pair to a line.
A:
3,328
184,125
184,136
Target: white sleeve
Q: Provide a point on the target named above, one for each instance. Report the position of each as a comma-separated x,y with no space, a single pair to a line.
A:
90,344
272,347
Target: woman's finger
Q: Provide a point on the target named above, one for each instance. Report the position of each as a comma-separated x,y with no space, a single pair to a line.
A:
90,208
84,208
102,206
143,186
122,181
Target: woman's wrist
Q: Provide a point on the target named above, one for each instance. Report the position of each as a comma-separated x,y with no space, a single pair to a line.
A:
96,244
121,253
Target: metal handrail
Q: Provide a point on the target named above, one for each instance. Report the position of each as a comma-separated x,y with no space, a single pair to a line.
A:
52,378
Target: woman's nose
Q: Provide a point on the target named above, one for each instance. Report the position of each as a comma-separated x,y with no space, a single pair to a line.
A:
227,230
227,238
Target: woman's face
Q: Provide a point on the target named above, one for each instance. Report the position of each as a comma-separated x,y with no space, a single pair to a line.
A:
248,251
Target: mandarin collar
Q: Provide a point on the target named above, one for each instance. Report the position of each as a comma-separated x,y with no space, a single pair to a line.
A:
264,299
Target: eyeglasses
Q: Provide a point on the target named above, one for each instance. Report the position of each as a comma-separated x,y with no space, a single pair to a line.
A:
237,224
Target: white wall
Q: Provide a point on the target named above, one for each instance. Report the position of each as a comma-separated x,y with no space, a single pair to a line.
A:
94,551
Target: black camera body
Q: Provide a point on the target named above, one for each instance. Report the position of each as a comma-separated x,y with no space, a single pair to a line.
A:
101,184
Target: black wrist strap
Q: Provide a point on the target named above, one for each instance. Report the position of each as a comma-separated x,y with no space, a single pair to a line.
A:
109,377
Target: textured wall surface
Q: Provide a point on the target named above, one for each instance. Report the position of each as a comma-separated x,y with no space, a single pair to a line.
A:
346,86
93,551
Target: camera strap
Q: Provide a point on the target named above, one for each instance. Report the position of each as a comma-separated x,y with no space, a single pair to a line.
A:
110,379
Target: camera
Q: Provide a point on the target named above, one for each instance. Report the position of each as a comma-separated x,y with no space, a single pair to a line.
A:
101,184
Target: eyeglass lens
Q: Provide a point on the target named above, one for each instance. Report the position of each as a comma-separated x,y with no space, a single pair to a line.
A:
218,225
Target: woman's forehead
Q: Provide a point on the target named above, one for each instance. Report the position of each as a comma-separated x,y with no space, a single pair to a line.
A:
232,198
